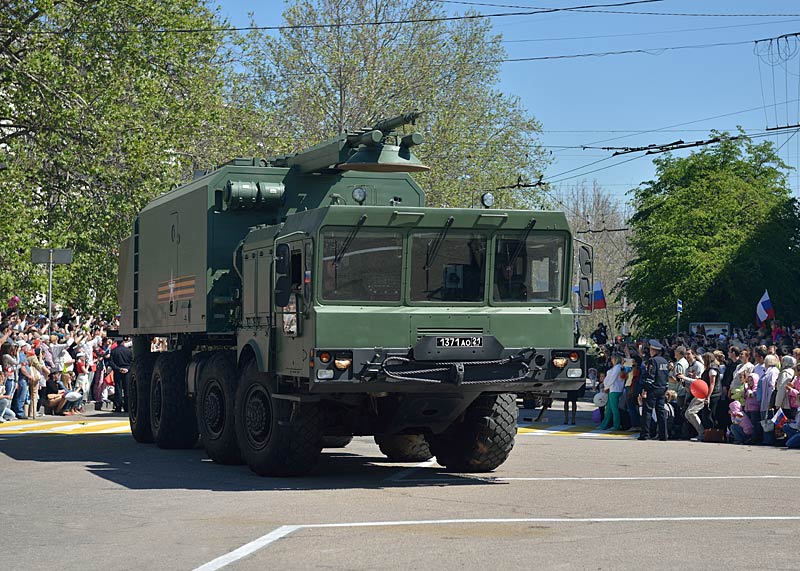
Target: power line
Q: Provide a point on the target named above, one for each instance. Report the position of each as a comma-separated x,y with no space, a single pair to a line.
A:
703,29
687,14
334,25
649,51
678,125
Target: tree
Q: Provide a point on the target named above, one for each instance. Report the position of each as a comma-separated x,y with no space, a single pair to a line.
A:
714,229
597,217
99,113
323,75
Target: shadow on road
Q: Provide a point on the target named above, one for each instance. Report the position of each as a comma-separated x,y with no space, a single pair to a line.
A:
121,460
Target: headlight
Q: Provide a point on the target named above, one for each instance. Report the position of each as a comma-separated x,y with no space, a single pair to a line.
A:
324,374
560,362
343,363
574,356
574,373
324,357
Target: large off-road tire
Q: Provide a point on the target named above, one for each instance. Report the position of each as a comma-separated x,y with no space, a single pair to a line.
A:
172,418
275,440
216,408
139,396
482,439
336,441
404,447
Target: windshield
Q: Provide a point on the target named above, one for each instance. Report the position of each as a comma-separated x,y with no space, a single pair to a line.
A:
535,274
369,270
456,271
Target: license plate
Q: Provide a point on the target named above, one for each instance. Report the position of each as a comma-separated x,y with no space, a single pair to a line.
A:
459,341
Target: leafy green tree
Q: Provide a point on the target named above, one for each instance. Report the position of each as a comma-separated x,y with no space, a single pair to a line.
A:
714,229
321,76
99,113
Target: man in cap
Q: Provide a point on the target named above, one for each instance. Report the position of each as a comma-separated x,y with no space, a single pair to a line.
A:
653,390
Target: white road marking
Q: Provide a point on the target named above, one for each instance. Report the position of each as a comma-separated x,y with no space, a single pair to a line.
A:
248,548
283,531
55,427
638,478
592,478
402,474
15,425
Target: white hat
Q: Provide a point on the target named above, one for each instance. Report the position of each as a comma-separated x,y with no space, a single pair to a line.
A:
21,343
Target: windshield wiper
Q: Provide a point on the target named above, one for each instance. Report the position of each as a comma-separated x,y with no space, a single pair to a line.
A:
521,243
350,237
433,247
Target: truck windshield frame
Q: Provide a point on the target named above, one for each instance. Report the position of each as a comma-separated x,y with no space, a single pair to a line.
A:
537,275
460,256
370,271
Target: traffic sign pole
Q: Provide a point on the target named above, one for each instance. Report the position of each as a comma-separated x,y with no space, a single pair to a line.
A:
680,310
51,257
50,291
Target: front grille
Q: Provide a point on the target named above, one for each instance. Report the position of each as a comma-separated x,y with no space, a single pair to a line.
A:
448,331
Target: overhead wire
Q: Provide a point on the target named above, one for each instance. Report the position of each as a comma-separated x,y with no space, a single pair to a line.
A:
336,25
653,33
597,10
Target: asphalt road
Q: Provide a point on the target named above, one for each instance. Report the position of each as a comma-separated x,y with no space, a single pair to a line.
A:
567,499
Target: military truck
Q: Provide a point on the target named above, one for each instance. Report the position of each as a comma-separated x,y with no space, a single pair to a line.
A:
311,297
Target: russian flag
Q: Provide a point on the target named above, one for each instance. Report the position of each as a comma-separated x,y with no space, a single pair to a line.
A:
779,419
599,296
764,309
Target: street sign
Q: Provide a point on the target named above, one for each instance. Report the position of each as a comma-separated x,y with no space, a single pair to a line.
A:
42,256
680,306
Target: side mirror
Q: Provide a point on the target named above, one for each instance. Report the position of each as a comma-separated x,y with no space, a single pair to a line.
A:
585,292
585,261
283,289
282,255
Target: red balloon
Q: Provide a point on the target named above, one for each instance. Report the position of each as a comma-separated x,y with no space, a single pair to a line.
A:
699,389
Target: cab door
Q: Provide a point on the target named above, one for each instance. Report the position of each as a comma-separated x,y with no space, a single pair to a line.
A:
292,304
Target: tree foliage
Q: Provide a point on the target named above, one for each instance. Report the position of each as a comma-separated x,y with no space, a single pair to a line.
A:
714,229
102,108
318,80
98,114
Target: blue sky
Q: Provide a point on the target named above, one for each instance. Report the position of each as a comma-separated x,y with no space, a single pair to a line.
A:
590,100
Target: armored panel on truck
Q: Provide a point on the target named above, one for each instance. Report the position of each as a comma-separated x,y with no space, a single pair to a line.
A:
177,272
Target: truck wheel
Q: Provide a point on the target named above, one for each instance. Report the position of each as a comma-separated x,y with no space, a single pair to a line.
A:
139,397
336,441
216,396
404,447
483,439
172,418
275,440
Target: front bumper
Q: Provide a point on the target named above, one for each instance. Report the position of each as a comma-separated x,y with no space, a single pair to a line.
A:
401,370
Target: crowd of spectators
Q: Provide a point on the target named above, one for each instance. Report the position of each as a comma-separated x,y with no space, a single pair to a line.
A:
59,366
750,390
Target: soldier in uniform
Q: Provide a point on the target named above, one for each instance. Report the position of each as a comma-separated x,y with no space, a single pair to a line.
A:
653,390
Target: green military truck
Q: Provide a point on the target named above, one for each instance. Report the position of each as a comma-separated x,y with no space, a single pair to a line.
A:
312,297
